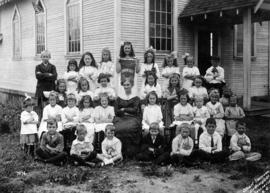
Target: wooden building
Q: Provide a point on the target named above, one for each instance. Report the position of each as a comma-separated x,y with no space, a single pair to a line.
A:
236,30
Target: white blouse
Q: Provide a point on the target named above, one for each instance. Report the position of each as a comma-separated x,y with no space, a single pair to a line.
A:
27,128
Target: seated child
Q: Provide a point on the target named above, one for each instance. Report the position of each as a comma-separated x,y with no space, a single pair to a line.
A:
197,89
150,84
51,145
70,119
153,147
210,144
111,147
216,111
61,90
104,80
82,151
232,114
29,121
152,113
241,145
182,146
103,115
84,89
200,115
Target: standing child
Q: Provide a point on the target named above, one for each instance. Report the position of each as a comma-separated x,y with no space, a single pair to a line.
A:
210,144
150,84
170,67
149,64
201,114
61,90
72,76
241,145
52,110
182,146
29,121
103,115
111,147
104,80
127,67
51,145
189,72
106,66
82,151
70,119
153,147
152,113
46,76
198,89
88,69
216,111
232,114
84,89
86,116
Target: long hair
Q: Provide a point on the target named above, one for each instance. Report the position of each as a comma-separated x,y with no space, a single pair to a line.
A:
58,82
80,84
85,97
109,52
73,62
82,63
150,73
165,61
178,86
122,53
151,93
149,52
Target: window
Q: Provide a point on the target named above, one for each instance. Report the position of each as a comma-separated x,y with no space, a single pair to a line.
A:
73,26
161,28
16,35
40,26
238,40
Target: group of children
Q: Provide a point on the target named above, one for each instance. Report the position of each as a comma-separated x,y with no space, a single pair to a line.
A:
78,119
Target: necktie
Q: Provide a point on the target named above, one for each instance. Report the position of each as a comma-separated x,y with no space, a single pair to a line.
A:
212,141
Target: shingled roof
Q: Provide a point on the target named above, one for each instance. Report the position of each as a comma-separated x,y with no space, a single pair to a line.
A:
196,7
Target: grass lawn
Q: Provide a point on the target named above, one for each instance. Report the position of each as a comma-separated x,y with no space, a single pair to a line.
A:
19,173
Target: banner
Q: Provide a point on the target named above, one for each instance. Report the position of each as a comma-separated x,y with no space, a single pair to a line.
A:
127,68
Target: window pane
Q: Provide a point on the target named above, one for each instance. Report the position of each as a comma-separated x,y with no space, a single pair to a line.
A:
152,42
40,33
163,31
152,17
158,34
157,5
163,44
74,28
169,31
158,14
152,4
158,44
163,5
169,6
152,32
163,18
169,44
169,19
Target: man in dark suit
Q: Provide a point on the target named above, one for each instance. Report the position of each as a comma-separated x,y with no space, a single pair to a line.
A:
153,147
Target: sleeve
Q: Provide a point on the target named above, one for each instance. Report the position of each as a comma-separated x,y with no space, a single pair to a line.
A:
208,75
23,117
159,91
39,74
241,112
207,115
45,113
63,116
111,69
157,70
187,152
76,118
96,93
74,150
133,110
175,146
143,92
112,93
117,110
190,109
185,72
160,116
197,72
166,93
247,148
35,115
190,92
103,148
233,143
43,142
220,113
96,114
95,73
175,111
145,112
60,145
164,71
142,70
221,74
227,112
161,147
203,144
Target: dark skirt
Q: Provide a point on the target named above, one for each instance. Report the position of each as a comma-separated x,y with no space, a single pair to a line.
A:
128,130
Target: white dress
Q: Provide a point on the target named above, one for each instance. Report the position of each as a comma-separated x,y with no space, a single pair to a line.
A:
179,109
103,113
91,74
201,114
28,128
197,91
72,79
73,113
148,67
80,94
151,114
50,112
108,90
169,70
147,89
88,123
194,71
108,68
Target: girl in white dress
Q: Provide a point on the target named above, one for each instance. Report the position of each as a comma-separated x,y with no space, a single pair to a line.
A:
52,110
83,89
151,84
88,69
86,116
170,67
72,76
189,72
198,89
104,80
149,64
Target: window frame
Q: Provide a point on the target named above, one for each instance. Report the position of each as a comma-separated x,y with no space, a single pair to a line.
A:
254,48
14,55
68,53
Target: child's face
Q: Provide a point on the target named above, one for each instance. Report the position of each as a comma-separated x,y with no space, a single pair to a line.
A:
198,82
174,82
185,132
241,129
152,99
214,63
86,103
154,131
183,99
81,135
87,60
105,56
199,103
52,128
62,87
127,49
210,128
110,134
104,101
29,108
190,62
72,67
233,101
151,80
84,86
170,61
214,98
52,101
71,103
104,82
149,58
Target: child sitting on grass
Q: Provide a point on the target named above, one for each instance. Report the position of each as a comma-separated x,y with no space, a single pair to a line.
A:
240,145
51,145
82,151
153,147
111,147
182,146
